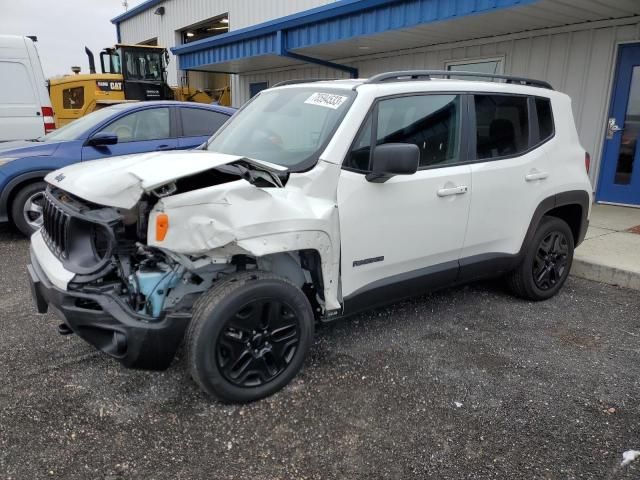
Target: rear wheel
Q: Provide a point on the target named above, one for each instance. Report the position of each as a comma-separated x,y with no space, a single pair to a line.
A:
546,263
26,209
249,336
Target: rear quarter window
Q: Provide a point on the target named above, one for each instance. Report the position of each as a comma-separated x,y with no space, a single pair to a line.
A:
545,118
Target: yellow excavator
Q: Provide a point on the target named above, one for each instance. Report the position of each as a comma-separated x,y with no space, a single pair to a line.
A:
130,73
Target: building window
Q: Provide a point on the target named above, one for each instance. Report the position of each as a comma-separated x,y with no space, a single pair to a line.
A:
256,88
482,65
206,29
73,98
152,42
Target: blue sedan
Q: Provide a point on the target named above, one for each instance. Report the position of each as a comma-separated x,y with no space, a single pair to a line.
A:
116,130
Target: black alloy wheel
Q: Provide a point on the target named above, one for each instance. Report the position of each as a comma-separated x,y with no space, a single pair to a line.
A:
546,261
258,342
551,260
248,336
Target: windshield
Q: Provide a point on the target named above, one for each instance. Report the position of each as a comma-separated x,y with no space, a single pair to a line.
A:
288,127
143,65
75,129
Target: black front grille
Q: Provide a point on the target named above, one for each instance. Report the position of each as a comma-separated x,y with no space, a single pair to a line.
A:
55,228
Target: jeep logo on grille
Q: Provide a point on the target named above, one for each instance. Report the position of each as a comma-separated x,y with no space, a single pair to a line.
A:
59,177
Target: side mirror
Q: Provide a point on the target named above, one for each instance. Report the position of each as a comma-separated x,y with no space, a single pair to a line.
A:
393,159
102,139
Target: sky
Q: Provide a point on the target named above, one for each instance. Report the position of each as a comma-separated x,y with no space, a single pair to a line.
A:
63,28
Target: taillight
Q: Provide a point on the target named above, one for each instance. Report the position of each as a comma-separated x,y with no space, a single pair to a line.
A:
49,121
587,161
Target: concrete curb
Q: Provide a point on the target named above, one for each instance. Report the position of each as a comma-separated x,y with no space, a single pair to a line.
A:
605,274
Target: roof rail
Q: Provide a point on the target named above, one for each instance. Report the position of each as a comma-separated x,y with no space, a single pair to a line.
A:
407,75
303,80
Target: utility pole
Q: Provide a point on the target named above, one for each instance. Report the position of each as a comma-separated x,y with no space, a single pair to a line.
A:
125,4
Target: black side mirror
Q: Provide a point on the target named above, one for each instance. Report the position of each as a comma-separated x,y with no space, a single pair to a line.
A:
102,139
393,159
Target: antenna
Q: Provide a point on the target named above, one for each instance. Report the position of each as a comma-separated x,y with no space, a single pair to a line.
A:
125,4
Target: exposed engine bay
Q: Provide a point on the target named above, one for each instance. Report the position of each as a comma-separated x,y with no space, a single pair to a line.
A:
106,247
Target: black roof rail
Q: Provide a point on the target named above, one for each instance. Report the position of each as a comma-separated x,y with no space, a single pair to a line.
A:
303,80
407,75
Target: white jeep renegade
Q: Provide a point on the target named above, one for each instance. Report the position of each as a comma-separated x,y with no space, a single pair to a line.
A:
316,200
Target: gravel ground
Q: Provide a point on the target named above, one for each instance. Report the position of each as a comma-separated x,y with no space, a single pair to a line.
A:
464,383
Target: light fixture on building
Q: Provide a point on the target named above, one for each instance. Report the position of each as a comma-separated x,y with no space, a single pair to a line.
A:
159,11
190,34
224,20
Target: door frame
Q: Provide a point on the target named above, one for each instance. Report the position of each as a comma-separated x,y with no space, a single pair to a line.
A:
613,77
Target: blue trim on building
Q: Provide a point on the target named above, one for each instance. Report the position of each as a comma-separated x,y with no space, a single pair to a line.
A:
136,10
318,14
284,52
335,22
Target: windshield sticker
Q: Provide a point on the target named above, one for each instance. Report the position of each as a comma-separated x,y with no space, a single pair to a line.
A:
329,100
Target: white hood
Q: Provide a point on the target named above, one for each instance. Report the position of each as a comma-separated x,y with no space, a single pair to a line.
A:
121,181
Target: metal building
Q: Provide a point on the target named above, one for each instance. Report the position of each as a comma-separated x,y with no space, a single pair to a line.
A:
589,49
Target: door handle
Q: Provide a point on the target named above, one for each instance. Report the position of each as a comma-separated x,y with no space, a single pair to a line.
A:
533,176
445,192
612,128
163,147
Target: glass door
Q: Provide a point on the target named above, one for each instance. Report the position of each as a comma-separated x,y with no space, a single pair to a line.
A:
620,172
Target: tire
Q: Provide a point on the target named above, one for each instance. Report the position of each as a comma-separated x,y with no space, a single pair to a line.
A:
23,216
232,352
551,251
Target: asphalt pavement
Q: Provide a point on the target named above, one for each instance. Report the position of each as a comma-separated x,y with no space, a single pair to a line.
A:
464,383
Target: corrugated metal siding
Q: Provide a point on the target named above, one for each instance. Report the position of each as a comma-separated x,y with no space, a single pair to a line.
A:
180,14
577,60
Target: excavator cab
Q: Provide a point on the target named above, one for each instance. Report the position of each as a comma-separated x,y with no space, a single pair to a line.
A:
143,70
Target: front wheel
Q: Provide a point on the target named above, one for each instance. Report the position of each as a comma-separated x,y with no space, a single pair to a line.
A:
547,261
249,336
26,209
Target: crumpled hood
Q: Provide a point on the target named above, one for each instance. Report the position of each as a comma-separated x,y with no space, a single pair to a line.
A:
120,181
21,148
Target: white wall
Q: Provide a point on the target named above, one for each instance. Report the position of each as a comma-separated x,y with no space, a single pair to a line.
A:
577,60
180,14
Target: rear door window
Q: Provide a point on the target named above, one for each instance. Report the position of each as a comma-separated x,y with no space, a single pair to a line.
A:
502,125
198,122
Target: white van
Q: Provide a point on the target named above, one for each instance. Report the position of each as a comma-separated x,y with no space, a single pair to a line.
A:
25,107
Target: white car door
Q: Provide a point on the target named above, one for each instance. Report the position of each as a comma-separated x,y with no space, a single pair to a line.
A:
405,235
510,178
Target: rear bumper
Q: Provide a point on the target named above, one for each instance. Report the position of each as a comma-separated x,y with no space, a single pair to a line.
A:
109,325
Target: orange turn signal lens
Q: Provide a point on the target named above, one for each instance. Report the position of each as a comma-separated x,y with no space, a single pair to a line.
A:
162,226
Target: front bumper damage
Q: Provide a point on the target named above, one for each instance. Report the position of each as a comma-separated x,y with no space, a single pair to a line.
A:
110,325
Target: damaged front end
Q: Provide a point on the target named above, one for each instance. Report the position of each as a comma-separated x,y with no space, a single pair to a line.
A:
129,300
120,287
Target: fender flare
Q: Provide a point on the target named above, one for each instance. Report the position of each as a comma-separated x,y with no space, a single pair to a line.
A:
11,186
572,197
